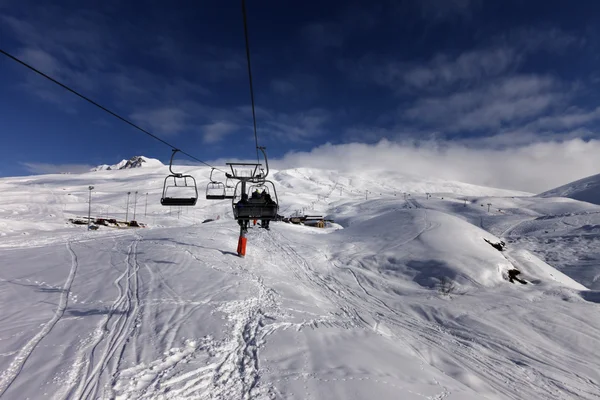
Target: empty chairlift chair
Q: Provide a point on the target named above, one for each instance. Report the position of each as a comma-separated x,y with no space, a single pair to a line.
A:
177,191
215,190
229,189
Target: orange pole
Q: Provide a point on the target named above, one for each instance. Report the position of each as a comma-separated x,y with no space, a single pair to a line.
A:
241,248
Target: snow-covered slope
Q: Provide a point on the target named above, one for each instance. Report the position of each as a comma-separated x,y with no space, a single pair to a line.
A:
587,189
400,298
380,183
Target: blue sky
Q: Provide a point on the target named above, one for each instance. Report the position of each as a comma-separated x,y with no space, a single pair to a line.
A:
481,75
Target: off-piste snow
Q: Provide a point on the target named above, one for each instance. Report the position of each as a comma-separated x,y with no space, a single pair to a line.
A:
408,294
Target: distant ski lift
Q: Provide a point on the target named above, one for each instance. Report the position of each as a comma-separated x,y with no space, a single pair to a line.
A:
215,190
177,191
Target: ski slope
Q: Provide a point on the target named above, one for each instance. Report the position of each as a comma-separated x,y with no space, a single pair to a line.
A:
398,299
586,189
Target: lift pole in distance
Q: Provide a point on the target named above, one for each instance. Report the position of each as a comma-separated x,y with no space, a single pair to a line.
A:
127,211
146,207
134,204
90,208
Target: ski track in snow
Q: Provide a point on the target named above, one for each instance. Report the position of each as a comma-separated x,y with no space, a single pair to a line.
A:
9,376
465,347
351,311
111,336
231,371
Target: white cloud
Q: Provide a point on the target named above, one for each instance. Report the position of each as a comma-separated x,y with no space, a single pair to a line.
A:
523,136
41,60
217,131
533,167
297,127
531,39
168,120
504,102
444,71
43,168
567,120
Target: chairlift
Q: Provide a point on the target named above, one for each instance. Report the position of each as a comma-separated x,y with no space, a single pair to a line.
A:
245,206
177,178
215,190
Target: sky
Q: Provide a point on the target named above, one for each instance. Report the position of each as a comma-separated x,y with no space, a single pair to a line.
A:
500,93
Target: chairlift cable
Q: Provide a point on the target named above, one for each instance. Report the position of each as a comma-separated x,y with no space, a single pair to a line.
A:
103,108
250,76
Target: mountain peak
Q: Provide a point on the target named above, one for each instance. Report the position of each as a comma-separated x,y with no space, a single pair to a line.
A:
133,162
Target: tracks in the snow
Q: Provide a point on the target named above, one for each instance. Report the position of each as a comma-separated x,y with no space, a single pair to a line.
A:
110,338
209,368
9,376
485,356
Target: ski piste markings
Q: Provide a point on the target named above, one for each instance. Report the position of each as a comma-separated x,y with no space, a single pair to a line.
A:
9,376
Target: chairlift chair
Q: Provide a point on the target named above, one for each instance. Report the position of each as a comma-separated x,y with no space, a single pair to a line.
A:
244,206
178,177
215,190
255,207
229,189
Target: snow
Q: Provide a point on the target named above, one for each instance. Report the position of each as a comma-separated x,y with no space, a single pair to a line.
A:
400,298
586,189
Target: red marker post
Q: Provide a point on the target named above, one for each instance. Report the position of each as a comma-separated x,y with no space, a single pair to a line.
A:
241,249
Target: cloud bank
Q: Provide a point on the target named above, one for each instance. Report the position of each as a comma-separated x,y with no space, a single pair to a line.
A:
531,168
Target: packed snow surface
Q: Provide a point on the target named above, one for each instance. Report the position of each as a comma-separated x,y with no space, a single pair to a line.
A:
402,297
586,189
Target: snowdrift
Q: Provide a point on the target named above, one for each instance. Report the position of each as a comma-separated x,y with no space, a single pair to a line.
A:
431,249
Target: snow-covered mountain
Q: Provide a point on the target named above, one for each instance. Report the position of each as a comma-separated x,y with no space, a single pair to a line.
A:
402,297
133,162
586,189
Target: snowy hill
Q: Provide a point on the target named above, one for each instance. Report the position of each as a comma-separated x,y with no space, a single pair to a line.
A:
403,297
586,189
133,162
